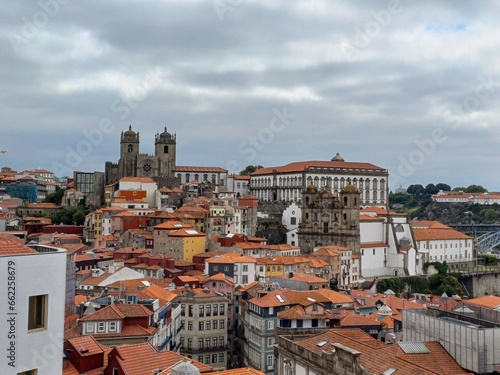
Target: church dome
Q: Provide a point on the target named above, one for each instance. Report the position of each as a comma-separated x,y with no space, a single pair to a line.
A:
311,188
349,189
338,158
130,131
165,136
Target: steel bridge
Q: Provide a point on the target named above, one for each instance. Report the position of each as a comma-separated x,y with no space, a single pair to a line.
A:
487,235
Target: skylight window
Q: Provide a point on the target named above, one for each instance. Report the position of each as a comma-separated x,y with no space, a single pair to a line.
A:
280,298
322,343
178,225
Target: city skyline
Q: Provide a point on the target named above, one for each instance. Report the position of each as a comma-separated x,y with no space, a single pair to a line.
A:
408,87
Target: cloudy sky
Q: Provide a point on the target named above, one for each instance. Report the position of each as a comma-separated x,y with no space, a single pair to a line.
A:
411,86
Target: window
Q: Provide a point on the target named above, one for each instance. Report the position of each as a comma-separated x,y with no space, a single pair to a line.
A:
221,357
190,326
101,326
37,312
214,342
112,326
216,268
245,268
221,306
293,221
207,343
207,325
190,343
202,310
115,371
190,310
200,326
221,341
270,361
325,227
200,344
244,279
183,309
214,358
200,358
216,309
214,324
221,324
270,325
209,310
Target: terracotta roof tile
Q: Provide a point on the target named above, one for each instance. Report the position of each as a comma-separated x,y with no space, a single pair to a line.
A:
304,165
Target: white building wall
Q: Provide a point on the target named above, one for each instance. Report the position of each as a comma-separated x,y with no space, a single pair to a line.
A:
292,215
150,189
35,274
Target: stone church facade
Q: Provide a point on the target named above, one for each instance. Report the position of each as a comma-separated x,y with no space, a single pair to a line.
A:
328,220
132,163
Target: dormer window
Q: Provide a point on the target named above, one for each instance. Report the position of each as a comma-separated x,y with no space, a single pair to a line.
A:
101,326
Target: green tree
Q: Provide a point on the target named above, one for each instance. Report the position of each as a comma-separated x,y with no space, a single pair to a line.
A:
415,189
475,189
431,189
444,187
460,188
250,169
401,198
490,216
490,259
55,197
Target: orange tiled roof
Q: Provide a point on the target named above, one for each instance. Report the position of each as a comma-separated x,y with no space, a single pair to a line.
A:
118,311
142,359
488,302
171,225
438,361
199,169
366,245
358,320
220,277
14,247
86,346
138,179
186,233
422,234
304,165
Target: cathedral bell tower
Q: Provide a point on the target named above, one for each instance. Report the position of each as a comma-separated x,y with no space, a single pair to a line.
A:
129,150
165,144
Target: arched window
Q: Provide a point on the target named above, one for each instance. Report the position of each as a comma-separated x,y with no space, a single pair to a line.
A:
374,195
196,177
205,177
345,201
165,149
130,148
307,200
375,184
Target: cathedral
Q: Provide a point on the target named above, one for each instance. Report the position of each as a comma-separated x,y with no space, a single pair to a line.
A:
132,163
329,220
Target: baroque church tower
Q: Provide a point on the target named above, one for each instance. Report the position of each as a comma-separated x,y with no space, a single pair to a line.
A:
328,220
